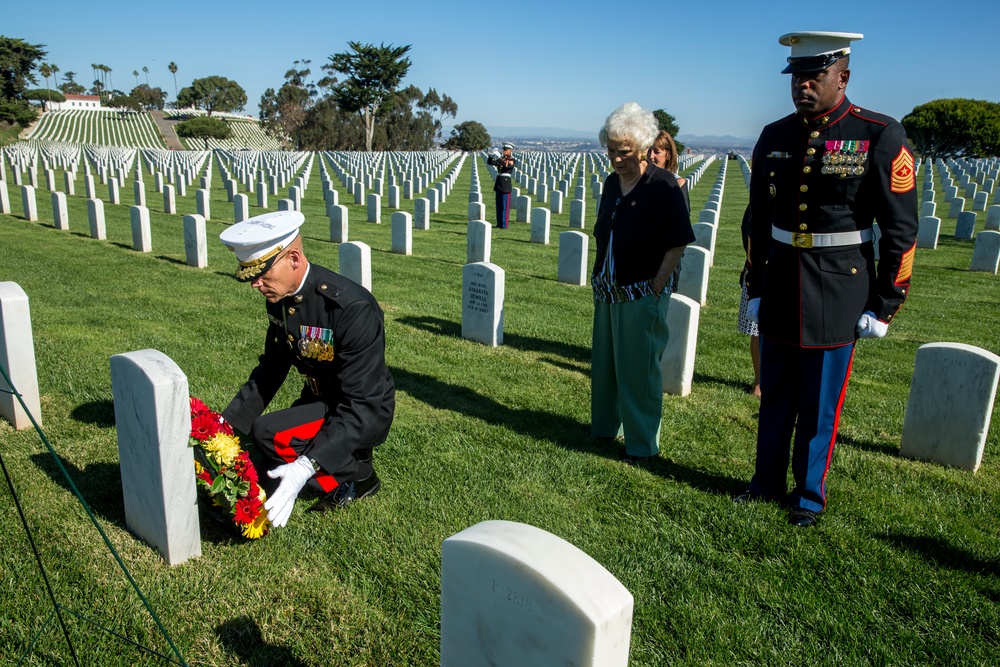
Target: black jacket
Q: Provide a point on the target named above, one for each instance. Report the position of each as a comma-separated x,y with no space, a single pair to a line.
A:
837,172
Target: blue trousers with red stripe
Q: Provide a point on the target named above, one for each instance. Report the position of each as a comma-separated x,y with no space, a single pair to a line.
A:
802,389
503,209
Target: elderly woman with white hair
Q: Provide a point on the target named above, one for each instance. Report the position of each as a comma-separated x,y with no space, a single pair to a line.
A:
641,231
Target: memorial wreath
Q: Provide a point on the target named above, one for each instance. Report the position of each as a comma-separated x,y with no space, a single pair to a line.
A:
225,475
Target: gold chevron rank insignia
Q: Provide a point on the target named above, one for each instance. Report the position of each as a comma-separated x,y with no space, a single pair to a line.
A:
906,266
903,178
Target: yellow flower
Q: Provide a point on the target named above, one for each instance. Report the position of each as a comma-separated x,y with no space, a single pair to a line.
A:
256,529
197,467
222,448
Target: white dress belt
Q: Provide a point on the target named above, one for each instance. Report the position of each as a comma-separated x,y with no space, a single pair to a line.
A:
808,240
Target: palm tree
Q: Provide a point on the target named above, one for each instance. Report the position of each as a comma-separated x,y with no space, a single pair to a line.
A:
93,66
46,71
145,70
173,70
135,73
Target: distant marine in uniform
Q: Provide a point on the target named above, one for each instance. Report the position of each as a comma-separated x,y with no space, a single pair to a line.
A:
820,179
503,185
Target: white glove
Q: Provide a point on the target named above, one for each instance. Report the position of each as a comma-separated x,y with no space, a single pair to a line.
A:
870,326
753,310
293,477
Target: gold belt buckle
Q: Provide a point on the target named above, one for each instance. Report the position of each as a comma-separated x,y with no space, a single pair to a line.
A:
802,240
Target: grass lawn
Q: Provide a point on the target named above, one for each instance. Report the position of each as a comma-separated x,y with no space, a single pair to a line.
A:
903,569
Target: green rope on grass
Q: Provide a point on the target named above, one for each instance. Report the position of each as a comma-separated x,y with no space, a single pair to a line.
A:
93,519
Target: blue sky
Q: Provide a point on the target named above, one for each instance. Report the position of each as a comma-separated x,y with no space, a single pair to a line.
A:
713,65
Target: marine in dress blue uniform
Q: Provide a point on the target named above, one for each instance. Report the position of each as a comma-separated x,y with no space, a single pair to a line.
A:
820,178
503,185
331,331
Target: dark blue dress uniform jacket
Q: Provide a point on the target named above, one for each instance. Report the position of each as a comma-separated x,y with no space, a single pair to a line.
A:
838,172
353,381
503,183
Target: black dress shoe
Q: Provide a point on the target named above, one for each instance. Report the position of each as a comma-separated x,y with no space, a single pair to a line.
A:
639,461
801,517
347,493
748,497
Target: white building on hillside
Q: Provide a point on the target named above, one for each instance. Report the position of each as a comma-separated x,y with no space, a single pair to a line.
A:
88,102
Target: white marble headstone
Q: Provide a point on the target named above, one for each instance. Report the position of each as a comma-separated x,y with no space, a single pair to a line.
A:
241,207
965,227
540,225
402,232
60,215
986,253
479,241
572,266
693,281
677,362
577,213
375,208
153,420
422,213
356,263
95,216
195,243
338,222
141,236
203,203
29,203
17,357
514,595
950,405
483,303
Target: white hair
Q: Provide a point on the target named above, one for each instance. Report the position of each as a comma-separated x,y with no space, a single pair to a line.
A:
632,124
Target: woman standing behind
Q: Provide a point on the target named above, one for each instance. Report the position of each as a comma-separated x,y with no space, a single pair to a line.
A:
641,230
663,153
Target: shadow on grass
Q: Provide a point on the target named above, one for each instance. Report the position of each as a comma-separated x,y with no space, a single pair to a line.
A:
442,327
540,425
100,484
242,638
937,551
886,449
701,378
172,260
98,413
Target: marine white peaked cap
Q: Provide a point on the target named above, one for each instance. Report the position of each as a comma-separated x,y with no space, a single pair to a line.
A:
257,241
813,50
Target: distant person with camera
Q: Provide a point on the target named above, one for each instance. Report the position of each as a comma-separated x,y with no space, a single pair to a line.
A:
503,185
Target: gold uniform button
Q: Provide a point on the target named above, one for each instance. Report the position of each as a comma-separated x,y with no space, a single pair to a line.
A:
803,207
803,188
772,173
811,151
803,227
323,287
806,169
814,134
853,270
291,337
291,311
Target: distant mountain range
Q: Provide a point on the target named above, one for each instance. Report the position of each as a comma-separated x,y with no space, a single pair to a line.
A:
725,141
503,131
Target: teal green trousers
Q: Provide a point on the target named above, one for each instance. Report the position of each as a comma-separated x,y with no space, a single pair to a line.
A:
626,386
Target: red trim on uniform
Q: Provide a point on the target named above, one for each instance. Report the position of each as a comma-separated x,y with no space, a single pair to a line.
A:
838,118
282,439
836,426
870,120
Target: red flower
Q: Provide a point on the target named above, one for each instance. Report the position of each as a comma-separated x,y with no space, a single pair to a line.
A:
205,477
197,406
225,427
246,510
204,426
